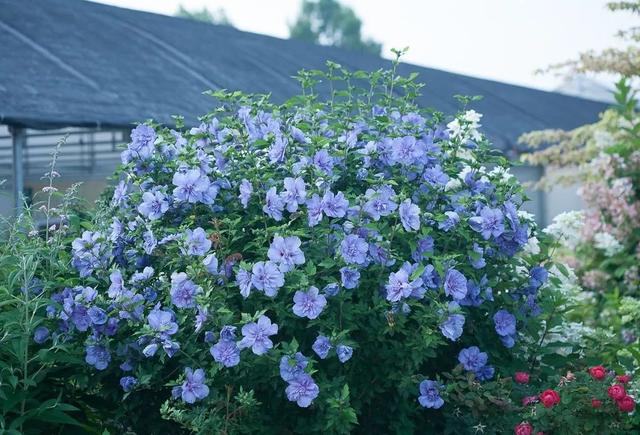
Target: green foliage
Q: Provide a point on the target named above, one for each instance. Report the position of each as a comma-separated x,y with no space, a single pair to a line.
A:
218,17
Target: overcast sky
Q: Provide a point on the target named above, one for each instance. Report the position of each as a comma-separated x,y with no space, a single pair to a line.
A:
505,40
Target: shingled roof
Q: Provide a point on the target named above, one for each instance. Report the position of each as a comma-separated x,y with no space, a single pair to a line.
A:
78,63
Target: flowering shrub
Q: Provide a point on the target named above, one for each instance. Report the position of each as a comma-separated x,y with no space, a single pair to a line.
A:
593,401
307,265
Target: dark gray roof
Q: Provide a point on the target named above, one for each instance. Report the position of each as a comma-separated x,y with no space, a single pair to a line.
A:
77,63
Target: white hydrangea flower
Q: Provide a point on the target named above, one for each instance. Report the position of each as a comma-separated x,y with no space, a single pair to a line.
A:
609,244
567,228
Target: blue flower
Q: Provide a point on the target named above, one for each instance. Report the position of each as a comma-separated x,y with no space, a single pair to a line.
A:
267,277
210,262
246,189
477,257
334,205
163,322
349,277
274,205
455,284
302,390
183,290
197,242
226,352
292,366
400,287
295,193
154,205
97,356
430,394
451,220
331,289
472,359
505,323
256,335
191,185
97,315
344,352
424,246
406,150
244,281
452,327
485,373
435,176
286,252
538,276
41,334
379,202
322,346
314,210
128,383
323,162
489,223
354,249
141,145
194,388
409,215
309,304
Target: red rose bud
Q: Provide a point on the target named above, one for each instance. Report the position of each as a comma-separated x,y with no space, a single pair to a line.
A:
549,398
598,372
626,404
596,403
623,379
522,377
523,428
616,392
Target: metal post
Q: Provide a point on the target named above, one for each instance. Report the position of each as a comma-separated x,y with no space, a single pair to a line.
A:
19,136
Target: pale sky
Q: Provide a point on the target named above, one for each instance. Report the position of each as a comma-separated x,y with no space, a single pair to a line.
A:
505,40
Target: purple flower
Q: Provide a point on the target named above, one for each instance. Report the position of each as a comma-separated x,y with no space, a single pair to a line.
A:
425,246
267,277
128,383
226,352
228,332
197,242
472,359
246,189
489,223
309,304
154,205
201,317
243,279
538,276
183,290
334,205
41,334
406,150
314,210
292,366
350,278
256,335
452,327
194,388
295,193
274,205
97,315
302,390
485,373
191,185
451,220
435,176
331,289
477,257
455,284
344,352
163,322
400,287
141,145
409,215
379,202
286,252
354,249
210,262
430,394
505,323
97,356
323,161
322,346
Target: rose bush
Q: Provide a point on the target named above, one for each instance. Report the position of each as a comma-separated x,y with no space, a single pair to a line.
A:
309,264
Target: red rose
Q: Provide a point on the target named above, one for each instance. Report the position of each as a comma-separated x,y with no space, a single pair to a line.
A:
616,392
596,403
598,372
626,404
623,379
523,428
549,398
522,377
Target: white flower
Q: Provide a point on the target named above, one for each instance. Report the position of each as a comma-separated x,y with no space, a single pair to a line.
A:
472,117
566,227
603,139
454,128
607,243
452,184
532,247
501,173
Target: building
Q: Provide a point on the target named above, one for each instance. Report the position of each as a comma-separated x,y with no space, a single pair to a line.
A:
91,70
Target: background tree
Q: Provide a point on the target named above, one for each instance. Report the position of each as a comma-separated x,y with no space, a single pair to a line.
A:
218,16
327,22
